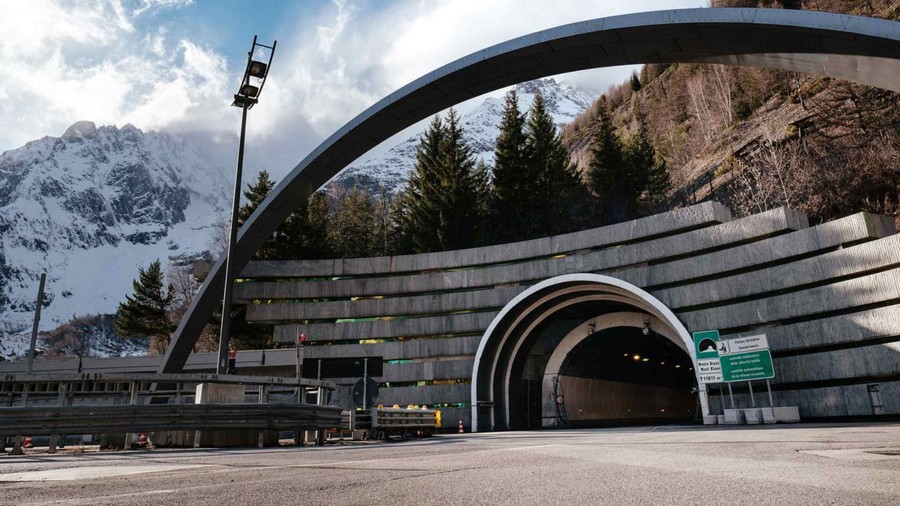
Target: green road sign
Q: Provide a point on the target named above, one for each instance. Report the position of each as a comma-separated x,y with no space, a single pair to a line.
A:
706,344
753,365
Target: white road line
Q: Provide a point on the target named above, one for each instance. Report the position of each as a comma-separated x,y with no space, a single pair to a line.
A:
96,498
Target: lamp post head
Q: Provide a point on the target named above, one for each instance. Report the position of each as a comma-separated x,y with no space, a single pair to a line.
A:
257,70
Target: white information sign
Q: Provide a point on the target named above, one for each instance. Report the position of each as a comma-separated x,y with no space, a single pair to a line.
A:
709,370
745,344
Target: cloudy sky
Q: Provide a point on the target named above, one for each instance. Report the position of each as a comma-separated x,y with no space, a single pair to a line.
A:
174,64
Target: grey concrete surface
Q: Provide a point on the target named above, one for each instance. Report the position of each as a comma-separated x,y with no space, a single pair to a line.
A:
692,242
668,465
700,215
410,327
854,261
883,287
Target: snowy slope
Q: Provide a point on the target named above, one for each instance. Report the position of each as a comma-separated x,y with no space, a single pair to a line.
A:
91,207
390,169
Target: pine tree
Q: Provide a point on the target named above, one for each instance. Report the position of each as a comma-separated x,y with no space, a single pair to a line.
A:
255,194
658,187
513,181
301,236
606,170
635,82
352,230
443,204
555,179
146,312
639,159
416,212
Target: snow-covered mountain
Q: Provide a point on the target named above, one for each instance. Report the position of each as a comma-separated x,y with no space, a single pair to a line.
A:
390,170
89,208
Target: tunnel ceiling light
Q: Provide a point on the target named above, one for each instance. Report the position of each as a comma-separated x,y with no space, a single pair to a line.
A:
677,366
625,355
636,357
645,360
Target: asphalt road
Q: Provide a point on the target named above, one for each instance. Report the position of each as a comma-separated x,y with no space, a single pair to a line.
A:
797,465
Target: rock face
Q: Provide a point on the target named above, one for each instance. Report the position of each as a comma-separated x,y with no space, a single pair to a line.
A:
390,170
89,208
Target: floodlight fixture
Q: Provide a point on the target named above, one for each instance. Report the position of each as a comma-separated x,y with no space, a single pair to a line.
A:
257,70
248,90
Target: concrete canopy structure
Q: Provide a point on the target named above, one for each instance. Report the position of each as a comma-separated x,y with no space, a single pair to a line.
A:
859,49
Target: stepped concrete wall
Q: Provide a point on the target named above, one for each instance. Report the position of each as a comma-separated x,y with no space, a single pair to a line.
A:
827,296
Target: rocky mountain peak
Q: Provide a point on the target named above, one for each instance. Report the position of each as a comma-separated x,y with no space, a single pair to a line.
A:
80,129
92,206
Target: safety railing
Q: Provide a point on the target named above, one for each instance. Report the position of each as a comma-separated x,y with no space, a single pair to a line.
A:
38,404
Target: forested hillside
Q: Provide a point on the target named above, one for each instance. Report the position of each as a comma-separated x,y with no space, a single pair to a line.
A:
757,138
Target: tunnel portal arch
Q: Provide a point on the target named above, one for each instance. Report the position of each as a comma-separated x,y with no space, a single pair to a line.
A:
507,341
854,48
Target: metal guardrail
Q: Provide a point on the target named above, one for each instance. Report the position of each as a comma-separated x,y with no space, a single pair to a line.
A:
165,417
39,404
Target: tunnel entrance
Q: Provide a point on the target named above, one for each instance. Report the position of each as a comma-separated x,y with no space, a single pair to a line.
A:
619,376
613,369
584,350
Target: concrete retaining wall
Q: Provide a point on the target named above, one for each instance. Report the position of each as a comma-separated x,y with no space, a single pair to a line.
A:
827,297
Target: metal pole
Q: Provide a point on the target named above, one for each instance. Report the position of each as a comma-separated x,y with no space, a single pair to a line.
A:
260,433
769,388
37,321
225,328
752,399
299,360
731,395
365,382
722,397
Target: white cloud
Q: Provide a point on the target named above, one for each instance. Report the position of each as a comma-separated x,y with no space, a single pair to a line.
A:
147,5
79,65
61,62
352,60
347,57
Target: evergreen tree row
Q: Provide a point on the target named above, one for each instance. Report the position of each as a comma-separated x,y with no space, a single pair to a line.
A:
451,202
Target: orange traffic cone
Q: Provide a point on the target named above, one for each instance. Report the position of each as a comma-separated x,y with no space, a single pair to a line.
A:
461,430
27,443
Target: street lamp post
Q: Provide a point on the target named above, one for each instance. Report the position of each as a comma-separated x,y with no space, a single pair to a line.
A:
246,97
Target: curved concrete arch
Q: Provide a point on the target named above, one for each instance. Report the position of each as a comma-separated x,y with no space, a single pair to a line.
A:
592,326
495,341
855,48
595,293
602,322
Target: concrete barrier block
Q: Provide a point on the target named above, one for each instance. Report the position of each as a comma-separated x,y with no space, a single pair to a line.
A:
734,417
753,416
768,415
787,414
